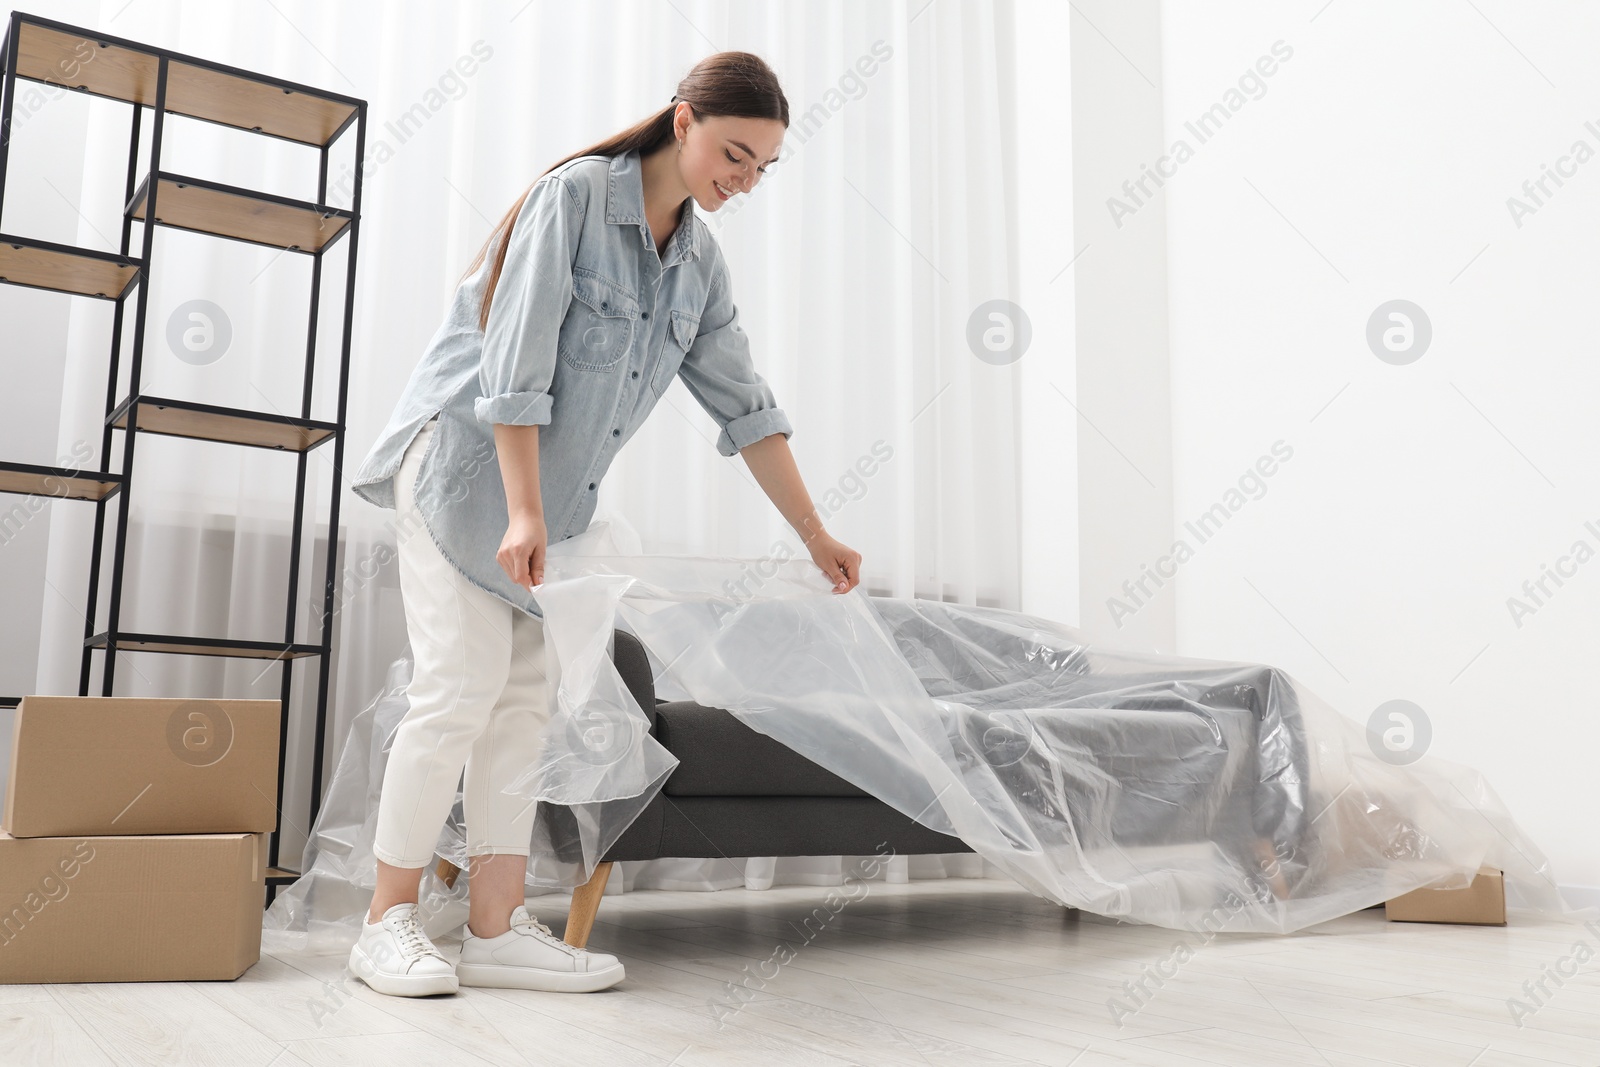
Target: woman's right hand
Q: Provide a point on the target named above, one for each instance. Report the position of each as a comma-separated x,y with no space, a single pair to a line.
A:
522,549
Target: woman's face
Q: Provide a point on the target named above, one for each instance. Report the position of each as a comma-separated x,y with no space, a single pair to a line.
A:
722,154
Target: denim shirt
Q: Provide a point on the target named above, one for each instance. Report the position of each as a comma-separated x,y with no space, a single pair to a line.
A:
588,326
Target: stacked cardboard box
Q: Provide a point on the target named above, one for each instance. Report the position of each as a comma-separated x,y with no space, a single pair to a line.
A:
134,840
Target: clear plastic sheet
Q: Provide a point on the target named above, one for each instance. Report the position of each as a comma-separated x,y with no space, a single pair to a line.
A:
1185,793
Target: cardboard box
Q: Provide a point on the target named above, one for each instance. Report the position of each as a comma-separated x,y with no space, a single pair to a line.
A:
142,765
1482,903
130,909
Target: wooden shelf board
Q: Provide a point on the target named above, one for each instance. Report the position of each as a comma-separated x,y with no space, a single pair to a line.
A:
64,270
92,63
58,482
178,419
194,646
205,207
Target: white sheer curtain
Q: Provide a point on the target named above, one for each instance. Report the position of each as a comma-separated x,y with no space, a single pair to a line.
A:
856,266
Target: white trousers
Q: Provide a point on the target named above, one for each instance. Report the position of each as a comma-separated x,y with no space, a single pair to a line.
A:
479,700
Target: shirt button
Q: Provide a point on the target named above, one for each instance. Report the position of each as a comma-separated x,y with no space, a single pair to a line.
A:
616,433
635,374
591,485
644,314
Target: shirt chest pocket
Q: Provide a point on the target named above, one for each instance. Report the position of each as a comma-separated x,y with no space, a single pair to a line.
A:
682,327
600,322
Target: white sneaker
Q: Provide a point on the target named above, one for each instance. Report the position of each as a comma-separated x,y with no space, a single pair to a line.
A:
529,956
394,956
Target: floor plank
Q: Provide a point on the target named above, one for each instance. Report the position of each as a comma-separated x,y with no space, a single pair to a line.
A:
920,974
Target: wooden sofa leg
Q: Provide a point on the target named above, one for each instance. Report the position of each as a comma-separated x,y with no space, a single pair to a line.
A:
585,902
1271,869
447,872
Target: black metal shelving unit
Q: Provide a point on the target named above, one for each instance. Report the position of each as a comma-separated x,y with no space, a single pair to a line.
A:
170,83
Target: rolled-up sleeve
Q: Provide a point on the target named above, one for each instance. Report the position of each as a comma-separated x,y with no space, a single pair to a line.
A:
720,375
529,304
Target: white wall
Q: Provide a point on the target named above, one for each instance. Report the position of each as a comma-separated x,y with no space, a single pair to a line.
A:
1375,165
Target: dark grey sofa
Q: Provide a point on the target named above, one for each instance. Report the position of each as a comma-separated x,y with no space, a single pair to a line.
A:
735,792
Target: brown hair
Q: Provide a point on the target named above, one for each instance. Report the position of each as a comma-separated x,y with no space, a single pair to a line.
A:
736,84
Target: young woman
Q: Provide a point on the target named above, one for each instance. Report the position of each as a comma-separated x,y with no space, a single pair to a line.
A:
597,289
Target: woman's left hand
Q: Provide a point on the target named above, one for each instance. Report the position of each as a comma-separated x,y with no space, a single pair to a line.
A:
841,563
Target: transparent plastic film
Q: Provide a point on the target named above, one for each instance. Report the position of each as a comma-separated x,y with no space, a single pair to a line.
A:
599,766
1185,793
1157,789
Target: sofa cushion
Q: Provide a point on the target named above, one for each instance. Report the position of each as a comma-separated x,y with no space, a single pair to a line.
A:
718,755
708,827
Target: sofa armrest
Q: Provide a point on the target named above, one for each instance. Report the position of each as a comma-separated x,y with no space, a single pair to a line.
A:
628,654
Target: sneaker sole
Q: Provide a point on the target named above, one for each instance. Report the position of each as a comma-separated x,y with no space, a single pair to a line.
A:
396,985
504,976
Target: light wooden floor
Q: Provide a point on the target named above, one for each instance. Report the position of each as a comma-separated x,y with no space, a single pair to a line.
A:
952,972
